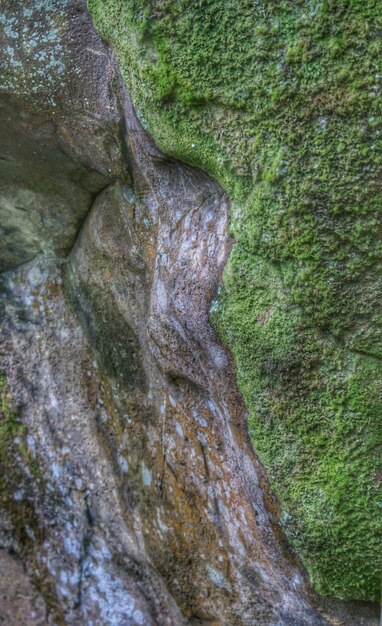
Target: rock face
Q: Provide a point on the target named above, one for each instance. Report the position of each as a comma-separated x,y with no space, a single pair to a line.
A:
282,103
130,493
59,136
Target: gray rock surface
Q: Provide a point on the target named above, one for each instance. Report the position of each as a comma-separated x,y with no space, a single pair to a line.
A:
59,132
130,493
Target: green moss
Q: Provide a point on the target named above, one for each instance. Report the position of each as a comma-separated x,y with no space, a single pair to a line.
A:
18,469
281,101
10,426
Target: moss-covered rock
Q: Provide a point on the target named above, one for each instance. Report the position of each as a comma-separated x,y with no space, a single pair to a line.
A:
19,474
281,101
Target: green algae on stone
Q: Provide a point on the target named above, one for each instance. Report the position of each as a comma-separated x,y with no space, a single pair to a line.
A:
10,426
281,101
19,472
13,445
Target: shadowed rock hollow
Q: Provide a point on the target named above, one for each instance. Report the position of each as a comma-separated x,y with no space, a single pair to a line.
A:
130,493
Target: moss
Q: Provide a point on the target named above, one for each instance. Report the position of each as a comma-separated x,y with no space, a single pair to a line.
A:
10,426
18,470
281,101
21,475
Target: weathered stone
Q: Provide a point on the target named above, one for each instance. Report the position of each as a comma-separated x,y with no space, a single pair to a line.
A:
279,102
130,492
59,136
21,604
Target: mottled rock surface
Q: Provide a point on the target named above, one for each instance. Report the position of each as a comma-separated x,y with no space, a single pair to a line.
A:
281,101
59,136
130,493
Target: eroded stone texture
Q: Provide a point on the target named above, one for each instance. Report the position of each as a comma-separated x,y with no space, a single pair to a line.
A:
279,102
62,514
189,469
20,602
59,133
130,493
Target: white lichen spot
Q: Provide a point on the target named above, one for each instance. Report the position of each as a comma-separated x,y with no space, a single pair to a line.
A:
104,416
56,472
172,401
31,443
63,577
106,591
218,356
161,296
147,475
202,439
79,484
123,464
138,617
161,524
179,430
200,419
217,578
